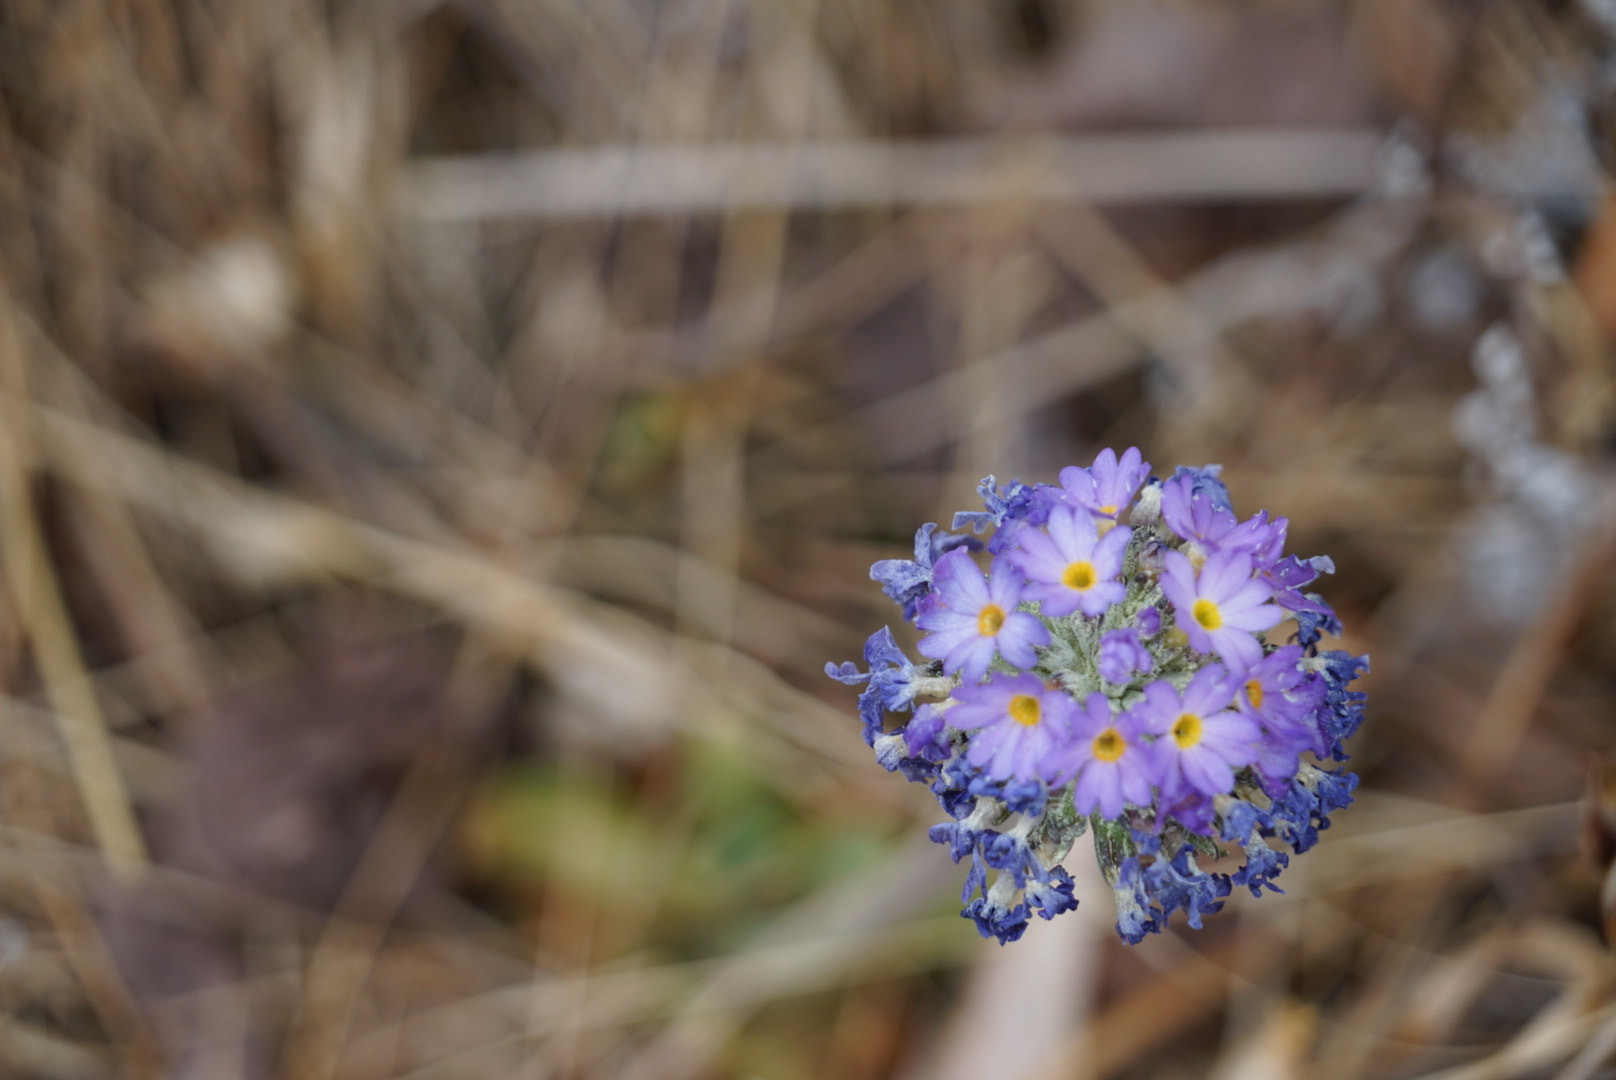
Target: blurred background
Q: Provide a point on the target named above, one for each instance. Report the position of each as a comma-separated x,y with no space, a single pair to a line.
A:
444,440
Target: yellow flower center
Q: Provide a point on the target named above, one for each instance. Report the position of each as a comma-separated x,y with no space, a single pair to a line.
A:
1109,511
1078,575
1108,745
1207,614
1187,730
1024,710
989,620
1254,693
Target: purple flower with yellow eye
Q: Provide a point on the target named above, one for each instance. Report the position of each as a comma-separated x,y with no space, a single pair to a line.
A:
1106,756
976,618
1072,567
1279,695
1221,607
1282,698
1105,488
1200,740
1019,726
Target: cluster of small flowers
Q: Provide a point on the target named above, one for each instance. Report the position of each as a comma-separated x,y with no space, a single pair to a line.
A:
1113,677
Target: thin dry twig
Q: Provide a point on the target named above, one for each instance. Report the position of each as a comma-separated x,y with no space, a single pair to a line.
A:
714,178
36,593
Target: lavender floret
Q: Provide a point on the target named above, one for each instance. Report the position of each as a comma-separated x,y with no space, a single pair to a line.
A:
1122,653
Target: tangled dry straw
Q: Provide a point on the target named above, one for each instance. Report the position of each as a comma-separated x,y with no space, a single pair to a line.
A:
442,442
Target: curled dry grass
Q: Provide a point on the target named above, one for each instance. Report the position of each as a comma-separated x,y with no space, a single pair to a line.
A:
442,442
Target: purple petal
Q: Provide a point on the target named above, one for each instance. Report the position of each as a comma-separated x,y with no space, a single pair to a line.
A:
1099,786
1054,600
1004,584
1020,633
1073,532
1232,735
1209,691
938,646
1035,548
945,620
1178,580
1108,553
1175,508
1162,704
1224,574
1254,620
1135,778
1092,717
1096,598
1161,762
1078,484
971,660
1255,591
959,583
1235,647
1206,771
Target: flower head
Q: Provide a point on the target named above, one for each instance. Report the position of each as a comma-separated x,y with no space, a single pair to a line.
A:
1094,714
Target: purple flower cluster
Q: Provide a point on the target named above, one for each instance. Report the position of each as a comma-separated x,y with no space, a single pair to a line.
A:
1108,671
